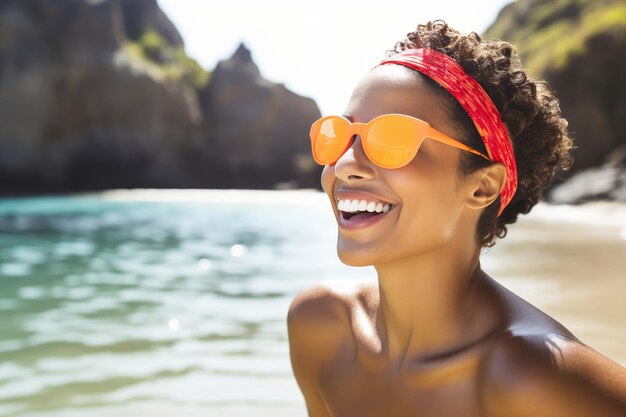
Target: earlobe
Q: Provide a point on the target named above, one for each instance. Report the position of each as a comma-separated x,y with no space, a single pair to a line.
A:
486,186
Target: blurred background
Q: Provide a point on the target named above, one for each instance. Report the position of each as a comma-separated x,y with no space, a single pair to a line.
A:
159,207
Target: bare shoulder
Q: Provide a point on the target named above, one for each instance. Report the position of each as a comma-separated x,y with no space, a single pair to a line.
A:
320,305
525,375
317,318
317,326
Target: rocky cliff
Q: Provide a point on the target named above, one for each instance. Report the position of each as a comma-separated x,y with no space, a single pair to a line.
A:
100,94
259,129
579,46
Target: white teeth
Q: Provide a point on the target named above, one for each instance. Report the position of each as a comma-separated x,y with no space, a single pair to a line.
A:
363,205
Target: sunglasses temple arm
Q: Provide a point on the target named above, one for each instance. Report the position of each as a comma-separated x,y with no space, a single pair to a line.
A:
479,154
438,136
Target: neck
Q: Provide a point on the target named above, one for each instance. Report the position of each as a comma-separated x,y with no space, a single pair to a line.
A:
431,307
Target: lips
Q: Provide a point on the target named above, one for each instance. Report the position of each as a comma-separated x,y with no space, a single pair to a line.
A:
353,215
351,221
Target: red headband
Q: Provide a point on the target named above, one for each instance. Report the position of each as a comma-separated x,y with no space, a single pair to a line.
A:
451,76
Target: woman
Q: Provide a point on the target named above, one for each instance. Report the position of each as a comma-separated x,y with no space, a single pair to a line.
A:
437,336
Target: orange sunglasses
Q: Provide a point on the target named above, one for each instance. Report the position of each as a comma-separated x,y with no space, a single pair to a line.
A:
389,141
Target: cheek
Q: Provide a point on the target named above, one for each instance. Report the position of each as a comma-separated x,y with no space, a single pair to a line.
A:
430,177
430,204
328,179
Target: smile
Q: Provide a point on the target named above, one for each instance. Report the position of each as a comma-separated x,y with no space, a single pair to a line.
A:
361,213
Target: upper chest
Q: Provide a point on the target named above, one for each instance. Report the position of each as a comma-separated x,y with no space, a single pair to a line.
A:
451,386
350,389
354,384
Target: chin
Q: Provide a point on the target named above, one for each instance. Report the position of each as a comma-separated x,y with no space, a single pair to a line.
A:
351,260
353,253
353,256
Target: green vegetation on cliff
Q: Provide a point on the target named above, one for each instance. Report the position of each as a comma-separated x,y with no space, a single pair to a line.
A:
172,61
579,48
549,33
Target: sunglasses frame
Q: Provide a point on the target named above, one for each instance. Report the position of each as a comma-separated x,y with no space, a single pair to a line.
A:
362,129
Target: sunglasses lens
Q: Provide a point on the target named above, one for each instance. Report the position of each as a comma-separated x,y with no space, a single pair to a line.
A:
392,142
330,139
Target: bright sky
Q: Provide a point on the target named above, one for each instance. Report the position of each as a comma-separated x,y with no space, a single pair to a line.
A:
321,48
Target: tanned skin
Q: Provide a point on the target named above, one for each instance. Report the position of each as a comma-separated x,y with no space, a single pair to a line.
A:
435,335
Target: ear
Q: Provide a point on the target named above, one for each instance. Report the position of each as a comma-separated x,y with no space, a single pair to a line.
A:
484,186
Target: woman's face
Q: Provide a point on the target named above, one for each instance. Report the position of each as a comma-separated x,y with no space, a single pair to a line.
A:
427,193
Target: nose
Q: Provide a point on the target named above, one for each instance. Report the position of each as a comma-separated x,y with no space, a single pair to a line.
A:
354,163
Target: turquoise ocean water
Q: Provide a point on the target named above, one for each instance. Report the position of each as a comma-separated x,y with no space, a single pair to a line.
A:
174,302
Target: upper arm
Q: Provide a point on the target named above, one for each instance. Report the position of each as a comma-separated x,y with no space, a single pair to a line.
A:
315,327
526,377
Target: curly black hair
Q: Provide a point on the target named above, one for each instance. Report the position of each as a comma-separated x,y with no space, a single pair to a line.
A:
529,109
